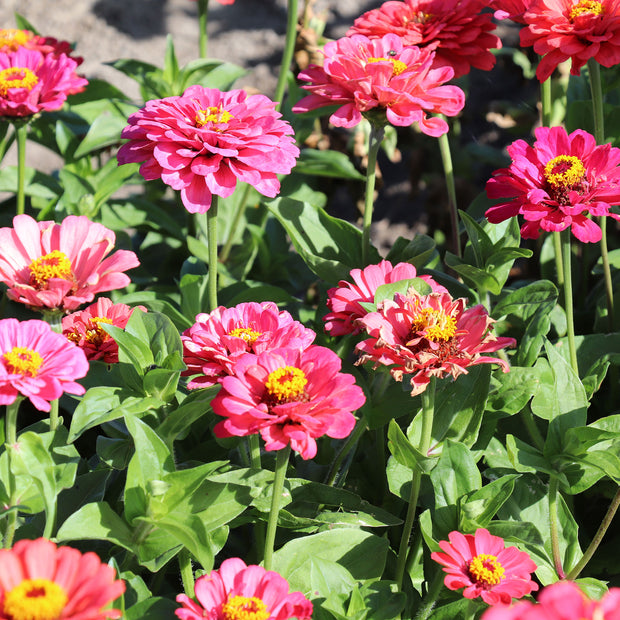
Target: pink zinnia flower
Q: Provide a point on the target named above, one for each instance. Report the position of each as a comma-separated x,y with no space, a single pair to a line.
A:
216,341
84,328
240,591
381,78
32,82
50,266
11,39
204,141
429,336
345,300
40,580
456,30
482,565
557,184
290,396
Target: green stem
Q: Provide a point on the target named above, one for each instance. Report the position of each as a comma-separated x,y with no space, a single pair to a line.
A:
276,498
187,574
545,100
10,426
559,266
374,142
54,319
212,248
554,484
22,133
568,299
254,444
203,18
347,446
430,598
532,428
446,159
239,211
287,54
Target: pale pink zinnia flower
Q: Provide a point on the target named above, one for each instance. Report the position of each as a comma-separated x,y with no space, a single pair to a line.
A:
557,183
290,396
205,141
39,580
11,39
216,341
50,266
482,565
381,77
237,591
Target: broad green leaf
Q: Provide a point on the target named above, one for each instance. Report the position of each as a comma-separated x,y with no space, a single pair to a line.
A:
404,452
525,301
418,251
154,608
388,291
476,509
455,474
327,164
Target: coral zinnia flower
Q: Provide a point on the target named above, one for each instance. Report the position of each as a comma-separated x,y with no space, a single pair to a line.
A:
557,183
484,567
84,328
204,141
290,396
32,82
381,78
40,581
216,341
345,300
237,591
11,39
429,336
455,29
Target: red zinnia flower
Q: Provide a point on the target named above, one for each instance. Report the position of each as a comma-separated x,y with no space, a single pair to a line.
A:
484,567
237,591
11,39
381,76
204,141
455,29
50,266
290,396
557,183
429,336
575,29
40,581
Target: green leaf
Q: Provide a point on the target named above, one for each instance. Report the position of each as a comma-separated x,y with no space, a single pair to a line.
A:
418,251
327,164
524,302
476,509
154,608
388,291
404,452
480,279
455,474
525,458
105,131
171,66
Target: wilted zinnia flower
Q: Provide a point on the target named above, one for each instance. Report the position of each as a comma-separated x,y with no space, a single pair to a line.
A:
482,565
203,142
557,184
381,77
50,266
455,30
40,581
11,39
290,396
237,591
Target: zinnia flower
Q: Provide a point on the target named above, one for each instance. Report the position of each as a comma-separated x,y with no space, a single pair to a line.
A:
429,336
84,328
11,39
456,30
482,565
557,184
204,141
575,29
384,80
50,266
40,581
290,396
32,82
237,591
510,9
216,341
345,300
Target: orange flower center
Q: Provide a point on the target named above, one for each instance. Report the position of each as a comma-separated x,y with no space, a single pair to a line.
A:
586,7
435,325
22,361
247,334
17,77
244,608
35,599
398,66
564,172
56,264
286,384
13,39
484,569
213,115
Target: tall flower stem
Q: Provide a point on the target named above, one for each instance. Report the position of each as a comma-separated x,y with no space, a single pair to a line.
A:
545,100
428,410
568,299
10,433
374,142
276,498
448,170
239,210
203,18
287,54
212,248
21,130
54,319
554,483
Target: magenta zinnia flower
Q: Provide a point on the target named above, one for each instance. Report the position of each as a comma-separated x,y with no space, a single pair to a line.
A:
216,341
381,77
204,141
557,184
290,396
429,336
456,30
575,29
11,39
237,591
482,565
50,266
40,581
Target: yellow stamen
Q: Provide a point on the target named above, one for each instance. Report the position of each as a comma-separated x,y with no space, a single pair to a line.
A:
398,66
585,7
485,569
56,264
286,384
11,39
94,334
17,77
564,171
436,324
22,361
212,115
35,599
247,334
244,608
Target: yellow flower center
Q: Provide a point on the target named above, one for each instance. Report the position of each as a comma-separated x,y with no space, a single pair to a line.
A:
245,333
485,569
94,333
585,7
212,115
398,66
564,171
17,77
56,264
436,325
286,384
244,608
35,599
13,39
22,361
